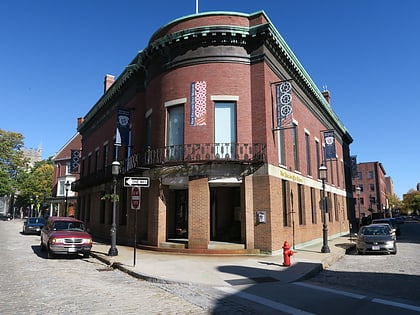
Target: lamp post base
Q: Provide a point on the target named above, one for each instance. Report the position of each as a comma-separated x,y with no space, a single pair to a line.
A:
325,249
113,252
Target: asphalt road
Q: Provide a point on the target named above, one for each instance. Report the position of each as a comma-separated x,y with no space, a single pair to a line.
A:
393,276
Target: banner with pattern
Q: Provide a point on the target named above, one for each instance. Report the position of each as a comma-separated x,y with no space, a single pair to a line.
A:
123,127
329,144
284,108
74,161
198,108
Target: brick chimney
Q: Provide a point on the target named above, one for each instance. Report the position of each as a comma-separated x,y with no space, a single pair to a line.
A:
109,80
79,121
326,94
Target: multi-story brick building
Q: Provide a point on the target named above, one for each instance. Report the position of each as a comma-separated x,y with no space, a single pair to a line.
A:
66,171
231,131
369,190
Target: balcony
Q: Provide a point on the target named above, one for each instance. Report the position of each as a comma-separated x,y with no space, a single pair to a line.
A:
239,153
240,156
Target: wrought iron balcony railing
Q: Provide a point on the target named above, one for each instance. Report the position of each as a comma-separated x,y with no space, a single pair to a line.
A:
250,153
242,153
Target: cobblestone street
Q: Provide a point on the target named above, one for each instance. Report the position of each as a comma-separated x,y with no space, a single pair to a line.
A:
33,284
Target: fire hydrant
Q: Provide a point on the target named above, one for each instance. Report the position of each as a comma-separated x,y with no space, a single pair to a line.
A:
287,252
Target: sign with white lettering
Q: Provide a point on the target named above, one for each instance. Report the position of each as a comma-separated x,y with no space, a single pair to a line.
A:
136,181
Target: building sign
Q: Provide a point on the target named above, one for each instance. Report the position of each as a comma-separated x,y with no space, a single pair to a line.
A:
329,144
74,161
198,108
284,108
123,127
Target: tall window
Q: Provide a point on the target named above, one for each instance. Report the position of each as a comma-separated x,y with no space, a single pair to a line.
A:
96,160
301,205
225,129
148,131
295,142
313,206
284,188
105,157
175,132
370,175
308,154
317,156
282,156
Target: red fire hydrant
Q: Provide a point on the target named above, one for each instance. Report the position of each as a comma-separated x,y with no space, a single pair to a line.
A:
287,252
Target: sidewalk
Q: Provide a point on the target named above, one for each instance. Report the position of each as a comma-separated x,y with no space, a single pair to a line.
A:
222,270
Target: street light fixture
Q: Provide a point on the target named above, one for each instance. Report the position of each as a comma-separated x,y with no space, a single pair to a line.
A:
323,177
67,184
358,191
115,169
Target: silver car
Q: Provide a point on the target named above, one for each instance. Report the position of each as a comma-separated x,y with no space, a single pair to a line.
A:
376,238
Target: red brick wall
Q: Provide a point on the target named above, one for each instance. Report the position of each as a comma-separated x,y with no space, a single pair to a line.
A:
198,214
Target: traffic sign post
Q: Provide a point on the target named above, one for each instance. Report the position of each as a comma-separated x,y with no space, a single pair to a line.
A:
136,181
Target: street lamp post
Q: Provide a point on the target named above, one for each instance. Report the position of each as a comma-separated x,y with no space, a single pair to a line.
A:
30,207
358,191
115,169
67,184
323,177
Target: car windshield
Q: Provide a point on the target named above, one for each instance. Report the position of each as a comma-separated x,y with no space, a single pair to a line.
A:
68,226
36,220
375,230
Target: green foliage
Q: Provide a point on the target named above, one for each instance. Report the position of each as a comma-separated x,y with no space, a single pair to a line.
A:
12,161
111,197
412,203
17,179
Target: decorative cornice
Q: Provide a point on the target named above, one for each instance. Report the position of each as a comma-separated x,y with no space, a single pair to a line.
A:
221,35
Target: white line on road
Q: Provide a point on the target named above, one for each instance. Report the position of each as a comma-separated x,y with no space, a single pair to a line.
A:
266,302
360,297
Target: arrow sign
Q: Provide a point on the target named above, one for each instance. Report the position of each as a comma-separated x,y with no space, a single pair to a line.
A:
136,181
135,198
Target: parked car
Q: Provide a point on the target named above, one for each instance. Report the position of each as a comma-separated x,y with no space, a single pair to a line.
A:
33,225
391,221
65,235
376,238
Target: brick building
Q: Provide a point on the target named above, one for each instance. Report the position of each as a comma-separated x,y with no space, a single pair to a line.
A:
64,200
231,131
372,200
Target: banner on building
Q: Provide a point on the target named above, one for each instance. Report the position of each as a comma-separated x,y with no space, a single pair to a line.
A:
74,161
329,144
284,108
198,106
122,136
353,160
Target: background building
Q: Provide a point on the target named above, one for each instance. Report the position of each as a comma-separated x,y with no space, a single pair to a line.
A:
372,199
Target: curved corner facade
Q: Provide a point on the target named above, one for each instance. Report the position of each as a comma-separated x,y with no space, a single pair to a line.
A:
230,130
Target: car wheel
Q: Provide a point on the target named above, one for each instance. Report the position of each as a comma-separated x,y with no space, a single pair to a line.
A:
49,253
394,252
86,255
42,245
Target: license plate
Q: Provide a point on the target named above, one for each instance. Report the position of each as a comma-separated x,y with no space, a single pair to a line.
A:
375,247
72,250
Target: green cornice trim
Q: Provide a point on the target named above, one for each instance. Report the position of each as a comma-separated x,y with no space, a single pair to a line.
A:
272,35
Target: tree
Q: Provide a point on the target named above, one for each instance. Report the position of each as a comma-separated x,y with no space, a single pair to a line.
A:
36,183
412,202
12,161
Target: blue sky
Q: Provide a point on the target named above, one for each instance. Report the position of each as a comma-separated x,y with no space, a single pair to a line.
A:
55,55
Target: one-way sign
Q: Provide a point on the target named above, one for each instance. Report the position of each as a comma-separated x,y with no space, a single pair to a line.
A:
136,181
